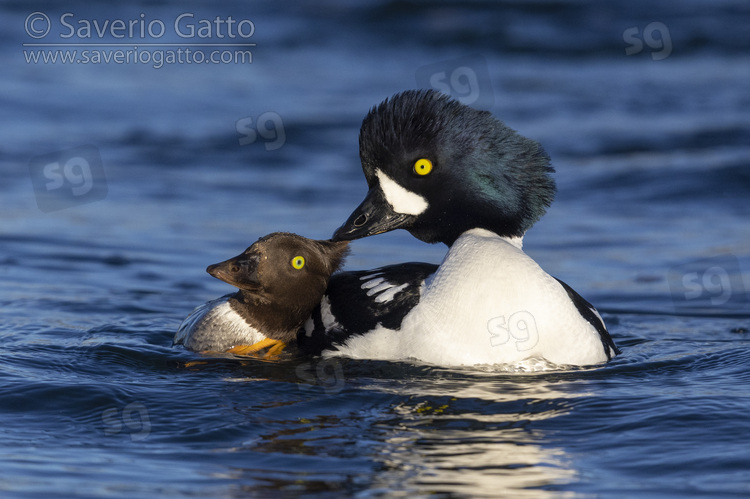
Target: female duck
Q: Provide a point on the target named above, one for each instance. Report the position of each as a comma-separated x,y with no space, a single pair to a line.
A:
281,278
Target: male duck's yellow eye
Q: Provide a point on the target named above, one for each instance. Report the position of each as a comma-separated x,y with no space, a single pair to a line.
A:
298,262
423,166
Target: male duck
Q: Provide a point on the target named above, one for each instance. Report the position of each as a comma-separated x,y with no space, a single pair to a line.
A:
452,174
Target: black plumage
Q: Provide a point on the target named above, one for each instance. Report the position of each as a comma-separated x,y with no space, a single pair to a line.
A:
354,309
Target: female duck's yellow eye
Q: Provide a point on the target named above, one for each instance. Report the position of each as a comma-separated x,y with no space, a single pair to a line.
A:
298,262
423,166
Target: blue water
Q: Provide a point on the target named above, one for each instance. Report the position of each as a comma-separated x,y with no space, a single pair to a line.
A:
650,224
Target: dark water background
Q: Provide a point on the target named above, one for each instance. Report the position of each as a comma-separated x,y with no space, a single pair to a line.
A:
645,110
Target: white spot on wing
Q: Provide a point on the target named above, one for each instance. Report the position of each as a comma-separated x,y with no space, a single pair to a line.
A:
372,283
401,200
384,290
383,286
387,296
309,327
329,320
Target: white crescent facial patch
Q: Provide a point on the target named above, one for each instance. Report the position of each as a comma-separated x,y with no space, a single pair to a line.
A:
402,201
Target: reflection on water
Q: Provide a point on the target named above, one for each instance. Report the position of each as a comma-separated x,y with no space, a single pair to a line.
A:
459,431
491,463
477,438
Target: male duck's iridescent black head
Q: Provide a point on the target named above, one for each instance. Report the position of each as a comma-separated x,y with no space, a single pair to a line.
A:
438,168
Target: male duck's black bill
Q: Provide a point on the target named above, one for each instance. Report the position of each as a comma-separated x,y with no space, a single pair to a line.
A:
373,216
